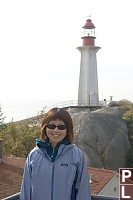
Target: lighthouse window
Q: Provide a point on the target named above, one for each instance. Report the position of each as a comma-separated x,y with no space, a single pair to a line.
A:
88,32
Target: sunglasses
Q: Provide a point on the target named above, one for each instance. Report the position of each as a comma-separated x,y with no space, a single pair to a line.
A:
53,126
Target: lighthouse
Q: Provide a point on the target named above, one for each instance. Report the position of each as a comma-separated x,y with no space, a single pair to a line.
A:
88,78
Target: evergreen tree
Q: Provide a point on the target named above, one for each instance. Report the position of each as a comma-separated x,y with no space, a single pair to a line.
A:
20,137
1,119
129,161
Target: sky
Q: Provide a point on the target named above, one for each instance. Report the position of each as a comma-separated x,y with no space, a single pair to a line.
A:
38,55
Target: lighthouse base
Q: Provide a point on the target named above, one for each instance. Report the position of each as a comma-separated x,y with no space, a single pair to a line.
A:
92,100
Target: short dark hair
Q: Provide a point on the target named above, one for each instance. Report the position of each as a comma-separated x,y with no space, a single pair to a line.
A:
60,114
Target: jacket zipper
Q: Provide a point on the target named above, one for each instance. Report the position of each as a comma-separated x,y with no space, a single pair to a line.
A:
52,182
53,176
52,191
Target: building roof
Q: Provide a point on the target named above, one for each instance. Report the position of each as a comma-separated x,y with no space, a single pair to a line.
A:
88,24
11,173
99,178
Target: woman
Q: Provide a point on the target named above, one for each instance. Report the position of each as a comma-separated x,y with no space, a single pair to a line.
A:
56,169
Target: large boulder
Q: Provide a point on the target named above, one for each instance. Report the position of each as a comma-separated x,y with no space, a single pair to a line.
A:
102,136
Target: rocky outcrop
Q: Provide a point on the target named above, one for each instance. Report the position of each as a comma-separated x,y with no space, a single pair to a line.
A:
102,136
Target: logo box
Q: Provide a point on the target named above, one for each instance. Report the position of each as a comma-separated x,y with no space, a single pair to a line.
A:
126,183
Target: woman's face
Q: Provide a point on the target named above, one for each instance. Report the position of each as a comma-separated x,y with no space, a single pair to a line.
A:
55,135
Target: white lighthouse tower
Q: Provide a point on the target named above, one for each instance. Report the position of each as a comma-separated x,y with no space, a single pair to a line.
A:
88,80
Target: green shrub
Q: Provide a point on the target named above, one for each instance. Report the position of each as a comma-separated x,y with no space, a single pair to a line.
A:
129,161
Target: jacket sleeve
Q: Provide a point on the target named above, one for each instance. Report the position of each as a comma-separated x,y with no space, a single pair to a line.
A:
25,193
82,185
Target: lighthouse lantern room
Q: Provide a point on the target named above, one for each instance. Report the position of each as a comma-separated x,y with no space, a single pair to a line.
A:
88,80
88,34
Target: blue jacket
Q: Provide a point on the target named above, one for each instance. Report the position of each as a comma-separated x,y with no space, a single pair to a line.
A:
64,179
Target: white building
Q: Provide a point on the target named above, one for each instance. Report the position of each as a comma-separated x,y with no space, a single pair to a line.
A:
88,80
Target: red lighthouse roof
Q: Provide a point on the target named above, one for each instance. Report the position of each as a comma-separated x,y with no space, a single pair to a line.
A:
88,24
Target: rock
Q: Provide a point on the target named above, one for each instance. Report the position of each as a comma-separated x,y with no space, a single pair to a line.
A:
111,103
102,136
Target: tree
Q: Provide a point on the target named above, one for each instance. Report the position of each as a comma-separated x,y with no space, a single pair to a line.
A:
1,119
128,117
20,137
29,131
129,161
8,134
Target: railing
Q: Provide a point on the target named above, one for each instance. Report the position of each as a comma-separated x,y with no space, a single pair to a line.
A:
13,197
74,103
97,197
93,197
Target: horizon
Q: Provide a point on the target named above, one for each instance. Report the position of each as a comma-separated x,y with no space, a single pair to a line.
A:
23,109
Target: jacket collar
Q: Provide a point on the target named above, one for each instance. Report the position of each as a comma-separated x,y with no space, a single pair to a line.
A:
61,150
47,145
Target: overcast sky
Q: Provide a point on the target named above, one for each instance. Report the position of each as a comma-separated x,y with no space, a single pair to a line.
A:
38,55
